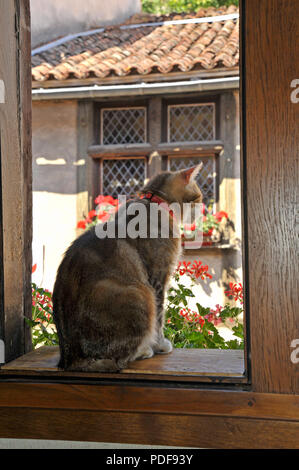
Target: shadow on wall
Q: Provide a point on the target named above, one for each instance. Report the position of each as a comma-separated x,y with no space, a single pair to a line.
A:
57,175
57,164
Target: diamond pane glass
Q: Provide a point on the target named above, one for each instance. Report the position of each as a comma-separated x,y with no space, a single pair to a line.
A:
206,178
123,177
123,126
191,123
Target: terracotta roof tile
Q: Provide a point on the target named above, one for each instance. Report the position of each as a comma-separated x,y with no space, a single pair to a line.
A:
143,46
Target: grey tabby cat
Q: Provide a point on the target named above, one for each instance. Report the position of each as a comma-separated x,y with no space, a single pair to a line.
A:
109,293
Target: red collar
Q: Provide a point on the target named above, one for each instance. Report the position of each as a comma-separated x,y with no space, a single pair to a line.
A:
153,198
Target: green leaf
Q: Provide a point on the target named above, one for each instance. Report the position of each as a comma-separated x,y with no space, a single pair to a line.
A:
239,331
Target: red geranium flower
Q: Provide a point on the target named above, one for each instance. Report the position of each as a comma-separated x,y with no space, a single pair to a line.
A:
236,291
219,215
208,233
106,200
200,271
115,203
191,227
100,199
184,312
92,214
81,224
109,200
103,216
185,269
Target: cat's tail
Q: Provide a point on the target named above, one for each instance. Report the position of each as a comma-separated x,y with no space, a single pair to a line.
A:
94,365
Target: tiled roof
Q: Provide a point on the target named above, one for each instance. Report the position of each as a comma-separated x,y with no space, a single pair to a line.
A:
146,44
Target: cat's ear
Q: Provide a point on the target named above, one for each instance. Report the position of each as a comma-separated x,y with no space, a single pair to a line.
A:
190,174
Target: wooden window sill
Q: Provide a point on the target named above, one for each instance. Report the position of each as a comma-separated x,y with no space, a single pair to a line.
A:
163,148
196,365
217,247
166,414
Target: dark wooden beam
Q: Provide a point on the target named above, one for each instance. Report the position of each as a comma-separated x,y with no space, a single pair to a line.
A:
271,133
100,151
148,429
149,415
2,323
154,135
16,161
153,77
191,148
125,398
213,147
87,174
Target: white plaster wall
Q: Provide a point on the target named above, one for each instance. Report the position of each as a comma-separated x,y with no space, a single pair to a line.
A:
54,186
210,292
54,18
54,228
230,187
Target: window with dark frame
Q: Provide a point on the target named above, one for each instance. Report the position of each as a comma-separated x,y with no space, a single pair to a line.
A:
186,123
123,176
195,122
191,122
206,179
123,125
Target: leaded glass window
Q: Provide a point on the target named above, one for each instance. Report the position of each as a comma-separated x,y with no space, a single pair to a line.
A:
123,126
123,176
191,122
206,178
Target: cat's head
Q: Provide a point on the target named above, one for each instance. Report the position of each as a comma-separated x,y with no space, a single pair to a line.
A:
176,186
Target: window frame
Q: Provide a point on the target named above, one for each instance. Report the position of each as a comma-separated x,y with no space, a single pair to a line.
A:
211,156
120,108
185,105
156,147
110,157
264,411
16,174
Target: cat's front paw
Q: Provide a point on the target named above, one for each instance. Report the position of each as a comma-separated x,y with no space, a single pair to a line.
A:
145,354
163,346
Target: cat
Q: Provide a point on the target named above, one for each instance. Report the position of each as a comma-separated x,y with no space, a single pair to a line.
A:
109,293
